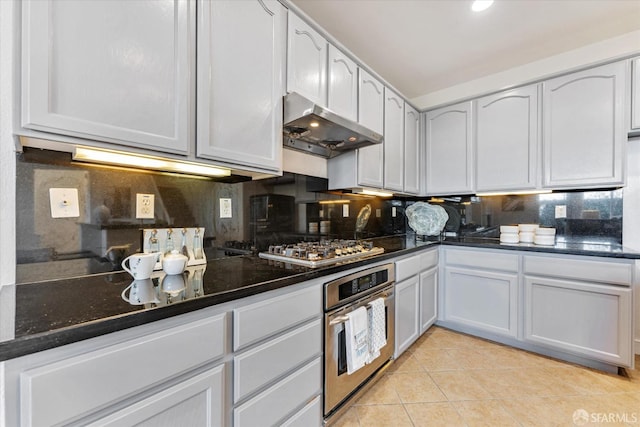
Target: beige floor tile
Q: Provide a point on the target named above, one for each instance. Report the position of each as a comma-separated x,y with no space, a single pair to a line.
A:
434,414
416,388
406,363
512,383
484,413
544,411
458,385
348,419
383,416
472,359
436,359
382,392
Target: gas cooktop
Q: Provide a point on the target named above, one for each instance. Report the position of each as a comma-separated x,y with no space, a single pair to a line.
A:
322,253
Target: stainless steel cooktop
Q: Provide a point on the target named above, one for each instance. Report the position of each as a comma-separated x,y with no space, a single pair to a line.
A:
322,253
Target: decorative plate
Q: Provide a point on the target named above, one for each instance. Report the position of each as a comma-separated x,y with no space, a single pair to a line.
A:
426,219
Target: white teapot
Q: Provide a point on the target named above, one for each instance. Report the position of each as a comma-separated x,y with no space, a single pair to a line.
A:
174,262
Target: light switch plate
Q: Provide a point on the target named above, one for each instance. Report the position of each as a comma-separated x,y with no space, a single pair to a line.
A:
145,206
225,208
561,211
64,202
345,210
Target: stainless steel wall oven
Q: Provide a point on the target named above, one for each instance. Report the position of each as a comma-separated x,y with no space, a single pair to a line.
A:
343,296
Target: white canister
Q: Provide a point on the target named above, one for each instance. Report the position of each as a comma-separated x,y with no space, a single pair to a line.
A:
526,236
313,227
325,227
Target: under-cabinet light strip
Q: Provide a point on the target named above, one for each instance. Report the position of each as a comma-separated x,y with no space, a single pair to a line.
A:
118,158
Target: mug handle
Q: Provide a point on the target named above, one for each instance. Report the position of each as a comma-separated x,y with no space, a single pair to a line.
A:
124,292
125,268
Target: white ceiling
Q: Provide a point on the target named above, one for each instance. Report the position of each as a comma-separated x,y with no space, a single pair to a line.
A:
423,46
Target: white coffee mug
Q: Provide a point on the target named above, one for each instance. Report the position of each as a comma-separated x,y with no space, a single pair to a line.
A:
140,265
140,292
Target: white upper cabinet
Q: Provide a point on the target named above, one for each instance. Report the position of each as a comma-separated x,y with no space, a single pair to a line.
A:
306,61
119,72
342,85
241,84
507,140
449,150
393,141
411,150
584,128
370,115
635,95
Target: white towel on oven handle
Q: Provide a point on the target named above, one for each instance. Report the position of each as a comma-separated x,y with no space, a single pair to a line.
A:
377,329
356,330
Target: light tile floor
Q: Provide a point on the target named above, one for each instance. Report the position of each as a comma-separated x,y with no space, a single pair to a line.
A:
452,379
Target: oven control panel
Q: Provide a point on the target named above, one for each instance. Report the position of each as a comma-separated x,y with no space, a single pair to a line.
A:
362,284
356,285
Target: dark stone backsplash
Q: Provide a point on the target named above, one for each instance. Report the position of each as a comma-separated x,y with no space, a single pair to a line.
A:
49,248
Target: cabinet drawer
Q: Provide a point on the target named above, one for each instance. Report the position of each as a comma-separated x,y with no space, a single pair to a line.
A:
93,380
407,267
275,403
428,259
591,270
280,355
309,416
486,260
256,321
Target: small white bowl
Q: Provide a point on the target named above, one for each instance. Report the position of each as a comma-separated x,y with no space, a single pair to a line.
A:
545,231
509,229
526,237
527,228
544,240
509,238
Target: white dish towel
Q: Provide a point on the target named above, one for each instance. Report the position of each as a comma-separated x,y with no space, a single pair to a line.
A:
377,333
357,342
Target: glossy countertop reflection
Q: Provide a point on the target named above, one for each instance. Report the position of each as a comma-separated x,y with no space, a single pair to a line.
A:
58,312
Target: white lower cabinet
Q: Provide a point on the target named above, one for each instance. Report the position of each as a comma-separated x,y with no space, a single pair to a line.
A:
582,318
416,298
484,300
197,401
407,313
278,360
480,291
134,376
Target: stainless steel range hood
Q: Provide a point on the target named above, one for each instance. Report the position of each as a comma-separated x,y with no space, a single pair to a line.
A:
316,130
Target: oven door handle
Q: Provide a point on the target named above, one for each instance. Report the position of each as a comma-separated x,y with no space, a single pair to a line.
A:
341,319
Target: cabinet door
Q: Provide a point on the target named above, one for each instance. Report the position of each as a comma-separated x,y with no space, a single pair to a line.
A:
507,140
411,150
240,84
197,401
116,72
581,318
428,298
482,300
342,85
393,141
635,96
407,312
370,102
370,115
306,61
449,157
584,128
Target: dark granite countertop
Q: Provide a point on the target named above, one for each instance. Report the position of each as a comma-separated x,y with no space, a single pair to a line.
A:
58,312
590,246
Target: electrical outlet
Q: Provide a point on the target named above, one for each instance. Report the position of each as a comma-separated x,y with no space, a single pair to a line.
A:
225,208
64,202
378,213
561,211
393,211
145,206
345,210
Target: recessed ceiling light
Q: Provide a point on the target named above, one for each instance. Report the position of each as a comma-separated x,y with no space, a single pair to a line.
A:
480,5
